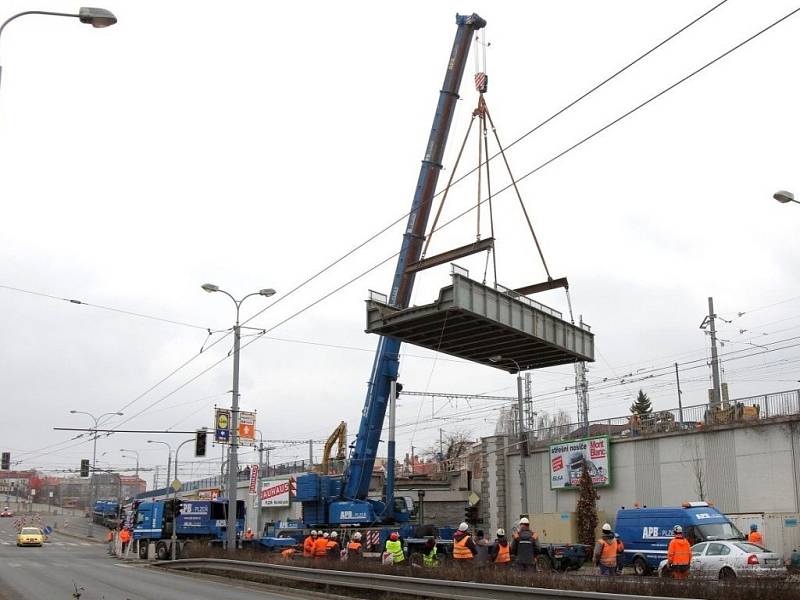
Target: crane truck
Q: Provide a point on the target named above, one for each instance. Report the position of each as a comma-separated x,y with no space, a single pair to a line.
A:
343,501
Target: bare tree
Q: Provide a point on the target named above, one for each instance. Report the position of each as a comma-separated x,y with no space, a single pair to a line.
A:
553,427
698,468
506,422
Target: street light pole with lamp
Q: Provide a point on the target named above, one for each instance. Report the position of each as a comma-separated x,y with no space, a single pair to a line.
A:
785,197
233,462
174,537
523,438
96,17
169,460
136,452
93,480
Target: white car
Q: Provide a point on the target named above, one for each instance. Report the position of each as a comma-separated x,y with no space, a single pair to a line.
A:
730,559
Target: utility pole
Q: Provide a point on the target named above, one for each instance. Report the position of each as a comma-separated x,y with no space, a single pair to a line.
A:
680,401
523,447
310,455
709,321
582,392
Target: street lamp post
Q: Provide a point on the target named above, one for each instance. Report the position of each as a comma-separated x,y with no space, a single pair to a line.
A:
93,480
785,197
174,538
169,460
137,459
96,17
233,463
523,438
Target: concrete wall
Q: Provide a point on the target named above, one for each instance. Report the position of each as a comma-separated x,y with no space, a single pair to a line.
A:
744,469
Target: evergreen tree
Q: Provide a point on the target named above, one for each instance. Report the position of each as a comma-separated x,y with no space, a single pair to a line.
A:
586,509
641,405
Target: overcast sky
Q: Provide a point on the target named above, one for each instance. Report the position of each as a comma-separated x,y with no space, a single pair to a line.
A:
249,144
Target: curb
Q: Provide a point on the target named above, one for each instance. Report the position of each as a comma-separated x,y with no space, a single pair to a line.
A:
78,537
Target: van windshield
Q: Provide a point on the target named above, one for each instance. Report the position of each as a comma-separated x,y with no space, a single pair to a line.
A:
718,531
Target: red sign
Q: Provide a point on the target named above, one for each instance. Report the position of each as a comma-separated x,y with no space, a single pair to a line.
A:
597,449
253,478
558,463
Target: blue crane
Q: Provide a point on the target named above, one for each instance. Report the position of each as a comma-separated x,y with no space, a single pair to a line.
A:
344,500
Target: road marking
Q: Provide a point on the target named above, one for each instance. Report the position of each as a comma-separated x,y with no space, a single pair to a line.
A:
15,565
85,544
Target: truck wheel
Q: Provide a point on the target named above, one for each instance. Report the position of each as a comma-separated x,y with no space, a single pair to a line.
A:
143,549
640,566
544,563
162,551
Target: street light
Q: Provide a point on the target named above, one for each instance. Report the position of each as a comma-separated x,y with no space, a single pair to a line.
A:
93,480
233,462
523,438
136,452
96,17
784,197
174,538
169,461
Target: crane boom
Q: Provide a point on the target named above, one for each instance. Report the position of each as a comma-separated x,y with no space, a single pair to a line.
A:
386,364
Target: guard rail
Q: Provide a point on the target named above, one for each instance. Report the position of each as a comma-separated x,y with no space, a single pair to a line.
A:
411,586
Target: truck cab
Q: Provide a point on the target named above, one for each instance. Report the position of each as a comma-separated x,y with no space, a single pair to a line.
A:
646,532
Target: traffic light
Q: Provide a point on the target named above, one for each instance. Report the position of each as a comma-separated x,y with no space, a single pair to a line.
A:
471,515
84,467
200,444
6,461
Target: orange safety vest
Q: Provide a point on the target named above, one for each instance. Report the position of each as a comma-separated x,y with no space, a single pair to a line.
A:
288,553
620,547
320,548
503,554
460,550
308,547
354,546
125,536
110,536
755,537
679,552
608,556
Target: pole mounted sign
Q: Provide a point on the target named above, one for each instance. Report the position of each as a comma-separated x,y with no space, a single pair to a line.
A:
253,478
222,426
247,428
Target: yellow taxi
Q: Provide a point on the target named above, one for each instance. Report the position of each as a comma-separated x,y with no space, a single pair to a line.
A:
30,536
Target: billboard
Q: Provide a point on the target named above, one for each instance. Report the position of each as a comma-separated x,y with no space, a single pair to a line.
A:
275,493
567,460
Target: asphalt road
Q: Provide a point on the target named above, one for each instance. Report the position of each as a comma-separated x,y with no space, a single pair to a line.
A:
51,573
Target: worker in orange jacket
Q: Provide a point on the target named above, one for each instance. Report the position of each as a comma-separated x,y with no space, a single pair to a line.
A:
605,552
308,544
755,537
620,553
321,546
679,554
125,538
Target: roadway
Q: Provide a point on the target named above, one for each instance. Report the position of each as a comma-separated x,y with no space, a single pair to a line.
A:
51,572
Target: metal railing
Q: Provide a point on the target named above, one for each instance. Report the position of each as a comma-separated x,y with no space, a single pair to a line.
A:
690,418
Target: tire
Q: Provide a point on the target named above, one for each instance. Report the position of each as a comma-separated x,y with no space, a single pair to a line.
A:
640,566
544,563
727,574
162,551
143,544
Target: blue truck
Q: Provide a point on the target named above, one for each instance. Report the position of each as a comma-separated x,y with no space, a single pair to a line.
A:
646,532
108,513
197,521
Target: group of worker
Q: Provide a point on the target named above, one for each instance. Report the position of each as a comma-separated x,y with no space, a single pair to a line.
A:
322,544
125,537
521,551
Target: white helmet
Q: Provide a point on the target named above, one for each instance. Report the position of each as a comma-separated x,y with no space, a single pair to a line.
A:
313,532
501,532
463,527
325,535
357,536
334,535
524,521
607,528
678,529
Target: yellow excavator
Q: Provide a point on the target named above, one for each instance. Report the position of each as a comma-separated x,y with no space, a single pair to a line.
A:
339,437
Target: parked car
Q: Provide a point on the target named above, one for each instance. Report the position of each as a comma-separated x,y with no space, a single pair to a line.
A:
731,559
7,512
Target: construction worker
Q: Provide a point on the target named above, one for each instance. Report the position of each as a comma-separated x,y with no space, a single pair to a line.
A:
249,535
334,550
394,547
430,558
500,552
755,537
620,553
110,540
321,546
525,546
125,538
483,545
308,544
288,554
464,547
679,554
354,547
605,552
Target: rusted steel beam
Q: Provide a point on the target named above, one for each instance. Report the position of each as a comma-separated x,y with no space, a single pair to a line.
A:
450,255
553,284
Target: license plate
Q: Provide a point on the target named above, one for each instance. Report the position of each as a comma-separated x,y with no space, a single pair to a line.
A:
773,561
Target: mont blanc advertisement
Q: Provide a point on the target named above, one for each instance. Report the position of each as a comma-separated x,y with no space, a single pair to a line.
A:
568,458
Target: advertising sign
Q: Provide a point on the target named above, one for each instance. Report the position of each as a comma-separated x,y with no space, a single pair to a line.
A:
275,493
568,458
253,478
222,426
247,428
